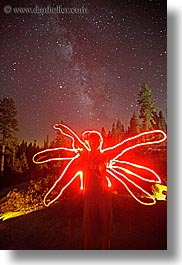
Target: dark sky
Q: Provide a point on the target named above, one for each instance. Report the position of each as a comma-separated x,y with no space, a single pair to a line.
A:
83,68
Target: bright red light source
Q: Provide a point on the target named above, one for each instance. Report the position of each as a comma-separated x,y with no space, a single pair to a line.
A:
115,168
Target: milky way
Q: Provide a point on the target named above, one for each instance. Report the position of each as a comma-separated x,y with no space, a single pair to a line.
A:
83,68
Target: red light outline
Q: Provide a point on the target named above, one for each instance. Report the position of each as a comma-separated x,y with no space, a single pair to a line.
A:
109,184
56,158
68,135
136,175
111,167
132,194
136,145
100,135
62,174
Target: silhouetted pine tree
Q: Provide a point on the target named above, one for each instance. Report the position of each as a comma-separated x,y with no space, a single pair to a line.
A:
8,129
162,125
119,130
147,107
134,127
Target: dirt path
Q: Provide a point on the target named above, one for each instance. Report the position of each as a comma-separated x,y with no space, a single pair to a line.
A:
59,227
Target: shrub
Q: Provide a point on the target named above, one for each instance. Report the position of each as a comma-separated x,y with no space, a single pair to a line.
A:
29,199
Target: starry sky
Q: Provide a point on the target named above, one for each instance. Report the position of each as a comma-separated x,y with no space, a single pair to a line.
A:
83,68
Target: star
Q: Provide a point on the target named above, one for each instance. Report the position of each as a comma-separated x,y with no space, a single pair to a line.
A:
92,62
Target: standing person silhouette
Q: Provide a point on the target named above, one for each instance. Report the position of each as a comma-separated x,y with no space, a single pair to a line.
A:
97,197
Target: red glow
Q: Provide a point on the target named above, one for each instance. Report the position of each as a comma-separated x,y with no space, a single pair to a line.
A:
120,170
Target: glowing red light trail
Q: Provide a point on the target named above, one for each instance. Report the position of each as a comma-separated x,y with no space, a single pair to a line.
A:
115,171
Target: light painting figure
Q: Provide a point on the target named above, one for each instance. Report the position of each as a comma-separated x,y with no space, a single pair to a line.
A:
112,165
125,172
97,170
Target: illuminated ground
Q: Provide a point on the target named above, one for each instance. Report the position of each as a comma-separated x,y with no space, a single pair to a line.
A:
59,227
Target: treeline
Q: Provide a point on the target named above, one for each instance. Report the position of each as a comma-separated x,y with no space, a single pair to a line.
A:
148,118
16,158
118,133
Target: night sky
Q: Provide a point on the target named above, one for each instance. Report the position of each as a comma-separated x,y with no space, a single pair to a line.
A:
83,68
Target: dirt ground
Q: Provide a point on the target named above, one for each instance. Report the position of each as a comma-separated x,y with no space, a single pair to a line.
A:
135,227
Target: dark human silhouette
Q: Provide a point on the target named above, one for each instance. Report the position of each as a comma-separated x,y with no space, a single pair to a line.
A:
97,217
